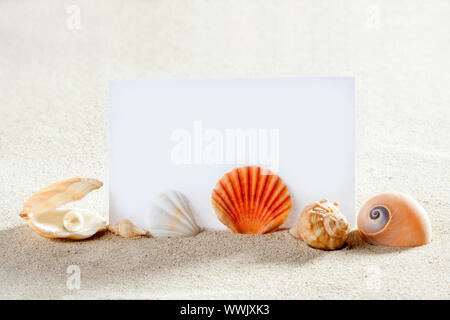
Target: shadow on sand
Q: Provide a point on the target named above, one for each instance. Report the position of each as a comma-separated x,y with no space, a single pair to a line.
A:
29,261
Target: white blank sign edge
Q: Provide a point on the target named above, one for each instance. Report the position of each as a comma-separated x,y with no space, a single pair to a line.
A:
178,134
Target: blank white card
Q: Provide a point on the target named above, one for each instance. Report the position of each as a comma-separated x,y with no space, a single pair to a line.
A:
186,134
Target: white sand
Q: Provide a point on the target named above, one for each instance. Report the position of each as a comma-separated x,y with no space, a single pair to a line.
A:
53,125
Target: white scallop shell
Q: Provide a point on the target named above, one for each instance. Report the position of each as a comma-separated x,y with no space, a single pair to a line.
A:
171,216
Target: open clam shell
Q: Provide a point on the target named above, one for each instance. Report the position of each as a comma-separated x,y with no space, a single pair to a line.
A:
42,213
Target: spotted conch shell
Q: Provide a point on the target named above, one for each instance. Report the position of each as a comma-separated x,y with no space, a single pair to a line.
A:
251,200
126,229
171,216
322,226
42,213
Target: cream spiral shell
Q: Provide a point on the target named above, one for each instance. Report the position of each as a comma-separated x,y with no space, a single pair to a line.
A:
73,221
322,226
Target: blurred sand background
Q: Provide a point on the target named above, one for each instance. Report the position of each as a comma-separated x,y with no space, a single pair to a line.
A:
53,125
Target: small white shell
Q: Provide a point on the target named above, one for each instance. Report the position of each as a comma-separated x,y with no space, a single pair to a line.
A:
126,229
171,216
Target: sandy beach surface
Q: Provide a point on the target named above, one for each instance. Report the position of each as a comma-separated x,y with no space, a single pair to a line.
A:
54,75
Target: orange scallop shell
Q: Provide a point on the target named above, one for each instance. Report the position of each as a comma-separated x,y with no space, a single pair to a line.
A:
408,224
251,200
